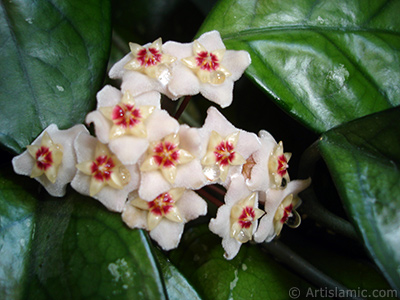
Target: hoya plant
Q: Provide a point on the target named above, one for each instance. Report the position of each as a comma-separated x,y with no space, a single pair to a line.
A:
146,148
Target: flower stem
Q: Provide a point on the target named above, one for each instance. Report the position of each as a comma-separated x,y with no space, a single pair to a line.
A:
312,207
182,107
303,268
205,194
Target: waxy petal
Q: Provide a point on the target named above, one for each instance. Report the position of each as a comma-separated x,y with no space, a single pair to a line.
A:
24,163
114,199
185,82
274,197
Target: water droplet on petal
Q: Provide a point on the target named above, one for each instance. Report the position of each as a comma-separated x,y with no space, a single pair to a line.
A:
217,77
125,175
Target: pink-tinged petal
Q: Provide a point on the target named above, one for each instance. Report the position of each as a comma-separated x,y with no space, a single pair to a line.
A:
190,140
167,234
211,40
221,225
24,162
189,172
191,205
266,231
247,143
259,179
108,96
129,149
132,216
113,199
219,94
144,69
236,62
231,67
189,176
160,124
102,126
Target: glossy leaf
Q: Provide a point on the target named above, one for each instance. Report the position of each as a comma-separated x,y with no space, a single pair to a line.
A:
17,228
176,284
364,160
250,275
325,62
342,259
54,55
70,248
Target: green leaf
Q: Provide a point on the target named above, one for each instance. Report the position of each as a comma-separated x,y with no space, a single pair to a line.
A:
176,284
17,227
342,259
325,62
250,275
54,54
70,248
364,160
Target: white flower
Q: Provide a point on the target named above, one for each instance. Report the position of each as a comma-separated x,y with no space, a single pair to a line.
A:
101,175
146,68
226,148
165,216
279,206
172,162
267,167
206,67
236,220
50,159
130,144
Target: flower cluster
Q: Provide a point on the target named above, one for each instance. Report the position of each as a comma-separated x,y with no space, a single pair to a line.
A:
146,166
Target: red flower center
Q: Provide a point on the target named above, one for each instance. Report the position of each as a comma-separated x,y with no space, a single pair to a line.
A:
149,57
224,153
161,205
207,61
282,165
247,217
126,115
287,212
43,158
166,154
102,168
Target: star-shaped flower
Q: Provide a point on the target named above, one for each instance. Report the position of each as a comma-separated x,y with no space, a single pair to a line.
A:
236,220
101,175
146,68
207,64
279,207
278,165
149,59
127,117
222,152
206,67
165,156
163,206
172,162
50,159
267,167
146,128
104,169
164,216
226,148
